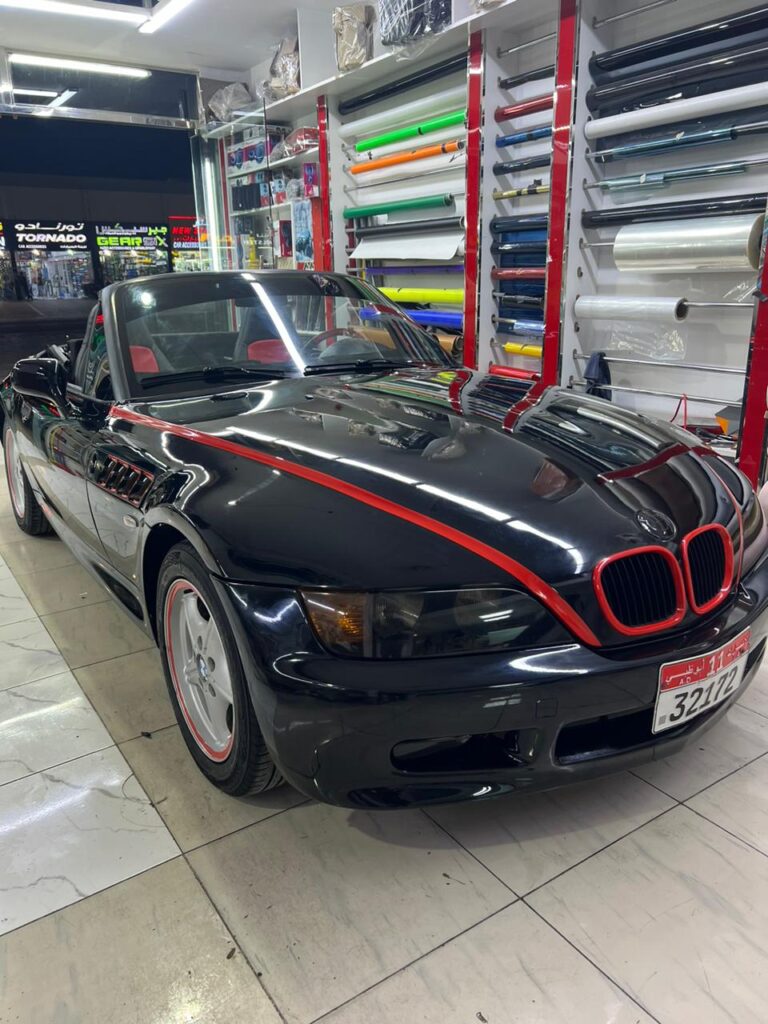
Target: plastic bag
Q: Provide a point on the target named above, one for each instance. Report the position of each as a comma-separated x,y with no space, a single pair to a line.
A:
405,21
283,71
354,35
298,141
229,100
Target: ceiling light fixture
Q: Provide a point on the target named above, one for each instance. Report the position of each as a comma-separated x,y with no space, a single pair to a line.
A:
65,64
163,13
42,94
108,13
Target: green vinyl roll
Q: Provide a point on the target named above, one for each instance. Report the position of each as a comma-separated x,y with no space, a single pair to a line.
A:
412,131
446,296
421,203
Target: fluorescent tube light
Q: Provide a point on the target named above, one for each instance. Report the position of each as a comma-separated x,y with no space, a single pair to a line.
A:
65,64
163,13
78,10
43,94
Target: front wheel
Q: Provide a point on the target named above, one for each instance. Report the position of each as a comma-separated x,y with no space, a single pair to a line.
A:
206,681
26,508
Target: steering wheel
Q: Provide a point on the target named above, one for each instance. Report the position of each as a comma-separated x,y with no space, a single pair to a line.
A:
316,342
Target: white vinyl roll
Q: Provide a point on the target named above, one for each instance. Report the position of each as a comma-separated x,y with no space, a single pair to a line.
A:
741,98
706,244
630,307
404,113
441,246
453,186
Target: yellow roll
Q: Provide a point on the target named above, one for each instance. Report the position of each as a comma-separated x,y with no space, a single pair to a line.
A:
515,348
444,296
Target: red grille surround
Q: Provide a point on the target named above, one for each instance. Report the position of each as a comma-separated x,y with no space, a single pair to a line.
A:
601,585
695,548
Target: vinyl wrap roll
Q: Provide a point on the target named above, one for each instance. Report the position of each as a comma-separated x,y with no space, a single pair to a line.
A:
537,189
518,273
532,106
530,163
679,110
437,318
630,307
412,227
376,209
399,85
408,157
499,247
536,75
412,131
695,77
535,327
516,348
684,139
427,268
542,131
676,210
428,106
678,42
441,296
662,179
714,244
523,222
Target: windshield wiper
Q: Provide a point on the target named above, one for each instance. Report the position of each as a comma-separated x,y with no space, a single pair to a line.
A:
211,373
359,365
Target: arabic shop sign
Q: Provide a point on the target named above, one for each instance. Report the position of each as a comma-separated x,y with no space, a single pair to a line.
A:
53,236
142,237
185,237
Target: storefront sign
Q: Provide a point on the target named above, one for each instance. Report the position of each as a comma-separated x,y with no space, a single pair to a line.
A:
185,237
141,237
50,236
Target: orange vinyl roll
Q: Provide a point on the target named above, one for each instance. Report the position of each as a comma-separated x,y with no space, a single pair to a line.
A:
405,158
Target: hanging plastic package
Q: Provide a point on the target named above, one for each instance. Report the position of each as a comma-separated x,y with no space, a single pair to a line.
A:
406,21
354,35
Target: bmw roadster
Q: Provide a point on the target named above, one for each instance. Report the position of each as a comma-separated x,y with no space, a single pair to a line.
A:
385,578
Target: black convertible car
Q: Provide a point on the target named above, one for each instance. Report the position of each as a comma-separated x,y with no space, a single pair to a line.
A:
383,577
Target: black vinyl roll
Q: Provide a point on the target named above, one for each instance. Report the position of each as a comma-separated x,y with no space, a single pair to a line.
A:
507,247
411,227
710,207
528,164
524,220
530,76
678,42
430,74
692,78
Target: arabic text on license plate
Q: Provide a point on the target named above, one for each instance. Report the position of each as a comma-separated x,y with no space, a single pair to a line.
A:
687,688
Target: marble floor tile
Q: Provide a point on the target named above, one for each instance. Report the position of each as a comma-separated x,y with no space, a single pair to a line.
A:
56,590
71,831
103,632
511,969
151,950
36,554
10,531
756,696
194,810
737,738
740,803
326,902
5,572
677,915
14,605
129,694
27,652
529,838
45,723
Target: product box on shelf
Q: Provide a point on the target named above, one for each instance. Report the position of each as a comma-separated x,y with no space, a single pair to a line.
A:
311,178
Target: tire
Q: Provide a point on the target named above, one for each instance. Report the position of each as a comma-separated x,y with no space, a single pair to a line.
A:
206,681
26,508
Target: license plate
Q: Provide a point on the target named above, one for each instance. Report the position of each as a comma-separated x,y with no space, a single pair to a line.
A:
688,688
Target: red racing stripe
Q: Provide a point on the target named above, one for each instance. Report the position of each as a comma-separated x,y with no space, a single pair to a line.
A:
546,594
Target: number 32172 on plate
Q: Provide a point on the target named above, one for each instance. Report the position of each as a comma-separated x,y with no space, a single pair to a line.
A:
688,688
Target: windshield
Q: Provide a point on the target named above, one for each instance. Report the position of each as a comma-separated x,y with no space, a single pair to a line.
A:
182,333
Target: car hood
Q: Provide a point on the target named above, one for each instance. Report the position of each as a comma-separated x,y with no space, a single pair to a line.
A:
553,479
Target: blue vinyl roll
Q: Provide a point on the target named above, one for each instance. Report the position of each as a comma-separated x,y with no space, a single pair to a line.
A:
543,131
528,259
535,288
525,327
435,318
513,248
522,236
451,268
509,309
519,222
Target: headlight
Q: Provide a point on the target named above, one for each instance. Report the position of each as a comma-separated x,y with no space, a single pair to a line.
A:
422,624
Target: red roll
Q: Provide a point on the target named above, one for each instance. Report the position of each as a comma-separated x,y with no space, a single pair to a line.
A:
518,273
526,107
513,371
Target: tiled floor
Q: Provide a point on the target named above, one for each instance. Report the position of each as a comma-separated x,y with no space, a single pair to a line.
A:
132,892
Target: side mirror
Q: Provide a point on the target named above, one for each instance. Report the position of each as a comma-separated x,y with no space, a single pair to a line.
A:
42,379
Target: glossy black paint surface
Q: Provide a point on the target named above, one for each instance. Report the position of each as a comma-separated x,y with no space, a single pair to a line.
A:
553,480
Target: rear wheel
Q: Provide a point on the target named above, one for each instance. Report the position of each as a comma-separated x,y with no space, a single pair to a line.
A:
26,508
206,681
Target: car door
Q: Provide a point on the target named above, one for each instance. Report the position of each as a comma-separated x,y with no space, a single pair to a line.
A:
54,444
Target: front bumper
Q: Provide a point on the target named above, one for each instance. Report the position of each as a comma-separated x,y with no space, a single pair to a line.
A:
394,734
